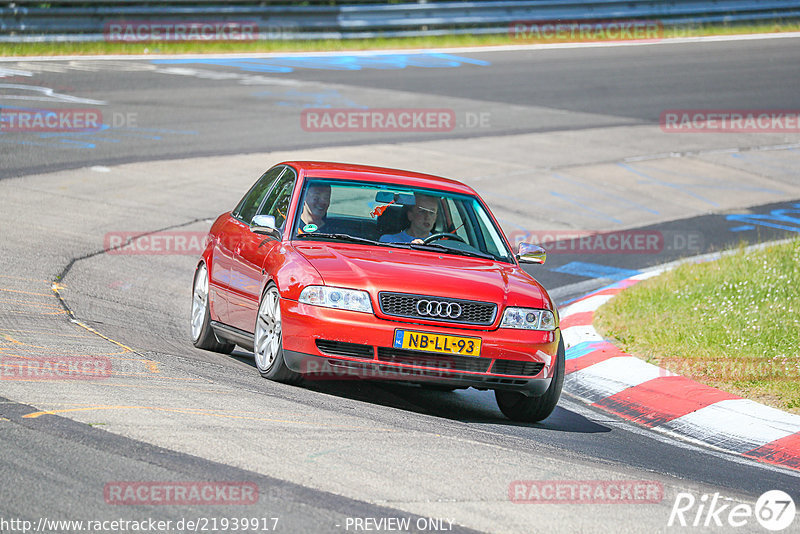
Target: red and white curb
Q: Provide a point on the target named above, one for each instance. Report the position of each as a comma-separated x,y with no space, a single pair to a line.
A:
607,378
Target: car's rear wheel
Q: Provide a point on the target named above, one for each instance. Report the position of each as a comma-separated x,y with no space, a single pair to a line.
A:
519,407
268,340
202,335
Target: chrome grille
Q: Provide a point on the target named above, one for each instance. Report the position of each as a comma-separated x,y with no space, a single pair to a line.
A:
407,305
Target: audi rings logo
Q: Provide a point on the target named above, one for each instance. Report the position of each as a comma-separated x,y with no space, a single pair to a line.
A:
435,308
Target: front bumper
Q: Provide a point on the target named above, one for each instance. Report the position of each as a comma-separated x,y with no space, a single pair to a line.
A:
332,344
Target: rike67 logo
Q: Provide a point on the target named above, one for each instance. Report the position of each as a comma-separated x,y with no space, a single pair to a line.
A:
774,510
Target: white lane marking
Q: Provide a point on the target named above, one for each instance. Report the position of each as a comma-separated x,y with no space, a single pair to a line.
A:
43,94
614,375
648,274
463,50
6,72
736,424
586,305
578,334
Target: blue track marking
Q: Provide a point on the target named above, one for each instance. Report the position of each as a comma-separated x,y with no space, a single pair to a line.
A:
782,219
428,60
594,270
88,139
582,349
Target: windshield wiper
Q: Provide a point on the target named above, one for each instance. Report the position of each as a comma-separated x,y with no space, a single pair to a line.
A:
416,246
442,248
345,237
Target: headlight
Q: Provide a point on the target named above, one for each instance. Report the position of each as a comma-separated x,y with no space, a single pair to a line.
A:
336,297
528,319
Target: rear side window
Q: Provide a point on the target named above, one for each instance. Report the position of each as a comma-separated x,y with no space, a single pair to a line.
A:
248,206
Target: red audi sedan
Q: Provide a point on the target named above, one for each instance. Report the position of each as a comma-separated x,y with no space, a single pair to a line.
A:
329,270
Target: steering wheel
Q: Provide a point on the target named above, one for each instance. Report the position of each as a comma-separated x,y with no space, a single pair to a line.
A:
443,235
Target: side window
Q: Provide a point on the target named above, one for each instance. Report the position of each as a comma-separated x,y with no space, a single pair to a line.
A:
277,203
248,206
459,223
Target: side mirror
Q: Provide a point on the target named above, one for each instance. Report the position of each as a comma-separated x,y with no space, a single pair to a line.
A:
265,225
530,253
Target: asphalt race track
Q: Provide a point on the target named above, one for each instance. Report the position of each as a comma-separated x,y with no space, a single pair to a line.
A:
561,143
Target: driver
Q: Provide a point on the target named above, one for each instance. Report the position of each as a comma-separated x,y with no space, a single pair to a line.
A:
421,216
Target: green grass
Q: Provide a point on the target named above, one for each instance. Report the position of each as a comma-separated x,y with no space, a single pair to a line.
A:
733,323
447,41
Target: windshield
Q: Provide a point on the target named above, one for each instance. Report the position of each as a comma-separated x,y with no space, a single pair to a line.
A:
398,216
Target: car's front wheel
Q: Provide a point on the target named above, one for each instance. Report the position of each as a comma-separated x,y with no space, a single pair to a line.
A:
268,340
519,407
202,335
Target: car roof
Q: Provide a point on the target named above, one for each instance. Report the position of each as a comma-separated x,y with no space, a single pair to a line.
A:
367,173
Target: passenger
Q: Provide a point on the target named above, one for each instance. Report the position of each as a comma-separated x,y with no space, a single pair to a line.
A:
315,209
421,216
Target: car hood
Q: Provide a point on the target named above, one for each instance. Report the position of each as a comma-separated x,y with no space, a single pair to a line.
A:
424,273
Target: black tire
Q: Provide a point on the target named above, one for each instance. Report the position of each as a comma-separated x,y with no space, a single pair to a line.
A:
203,337
519,407
268,340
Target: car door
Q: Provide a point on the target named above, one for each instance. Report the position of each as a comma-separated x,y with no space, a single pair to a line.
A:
228,239
251,253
